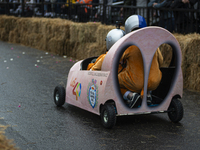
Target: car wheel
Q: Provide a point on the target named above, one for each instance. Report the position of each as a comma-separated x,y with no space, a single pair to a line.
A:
175,110
108,116
59,95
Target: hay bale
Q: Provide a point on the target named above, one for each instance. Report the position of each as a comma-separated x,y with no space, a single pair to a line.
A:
166,51
55,46
192,77
14,36
4,35
68,46
4,142
33,39
83,32
191,63
82,36
7,24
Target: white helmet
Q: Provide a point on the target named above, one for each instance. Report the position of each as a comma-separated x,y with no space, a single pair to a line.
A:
113,36
134,22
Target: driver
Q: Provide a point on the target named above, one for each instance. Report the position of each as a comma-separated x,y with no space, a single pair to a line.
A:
113,36
131,78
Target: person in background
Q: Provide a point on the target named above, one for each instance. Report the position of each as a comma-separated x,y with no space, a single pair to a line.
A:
125,12
65,10
99,14
83,10
166,18
47,8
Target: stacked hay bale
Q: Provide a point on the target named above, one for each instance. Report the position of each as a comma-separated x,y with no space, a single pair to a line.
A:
41,33
5,144
190,59
86,39
6,25
191,62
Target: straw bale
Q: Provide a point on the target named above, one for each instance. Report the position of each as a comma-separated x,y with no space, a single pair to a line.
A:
14,36
9,23
33,39
1,22
33,26
5,144
83,32
192,77
4,35
166,51
192,53
68,48
55,46
95,50
191,63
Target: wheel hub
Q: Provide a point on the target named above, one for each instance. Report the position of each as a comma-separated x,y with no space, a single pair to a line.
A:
57,96
105,116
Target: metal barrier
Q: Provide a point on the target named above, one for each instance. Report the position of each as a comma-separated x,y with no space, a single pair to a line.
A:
178,20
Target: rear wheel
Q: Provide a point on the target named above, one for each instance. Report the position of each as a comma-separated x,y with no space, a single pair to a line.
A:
59,95
175,110
108,116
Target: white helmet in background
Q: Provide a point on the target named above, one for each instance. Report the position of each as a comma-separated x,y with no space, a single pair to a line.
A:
113,36
134,22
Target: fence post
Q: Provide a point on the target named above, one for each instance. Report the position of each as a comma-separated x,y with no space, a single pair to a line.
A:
104,11
22,13
70,9
42,7
7,7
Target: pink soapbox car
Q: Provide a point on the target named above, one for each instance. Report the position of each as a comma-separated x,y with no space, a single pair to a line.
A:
98,91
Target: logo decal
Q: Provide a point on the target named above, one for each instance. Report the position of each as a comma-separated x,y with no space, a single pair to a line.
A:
76,88
92,93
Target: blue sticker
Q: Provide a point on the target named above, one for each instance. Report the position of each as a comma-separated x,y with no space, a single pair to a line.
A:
92,93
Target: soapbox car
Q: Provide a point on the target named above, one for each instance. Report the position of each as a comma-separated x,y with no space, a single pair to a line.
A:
98,91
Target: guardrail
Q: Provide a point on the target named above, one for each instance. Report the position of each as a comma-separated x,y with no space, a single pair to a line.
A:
177,20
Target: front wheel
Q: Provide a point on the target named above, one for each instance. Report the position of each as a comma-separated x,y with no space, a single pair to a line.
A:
59,95
108,116
175,110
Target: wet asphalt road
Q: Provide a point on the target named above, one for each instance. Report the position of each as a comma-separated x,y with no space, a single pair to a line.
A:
28,78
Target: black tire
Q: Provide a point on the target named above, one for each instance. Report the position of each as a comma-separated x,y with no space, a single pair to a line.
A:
175,110
59,95
108,116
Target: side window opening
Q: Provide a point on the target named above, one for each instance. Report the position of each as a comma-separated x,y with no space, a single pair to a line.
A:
161,90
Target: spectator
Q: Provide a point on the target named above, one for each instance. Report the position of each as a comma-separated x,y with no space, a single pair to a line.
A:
53,5
126,12
138,3
99,14
83,11
182,19
47,8
65,10
142,11
30,8
59,7
166,18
